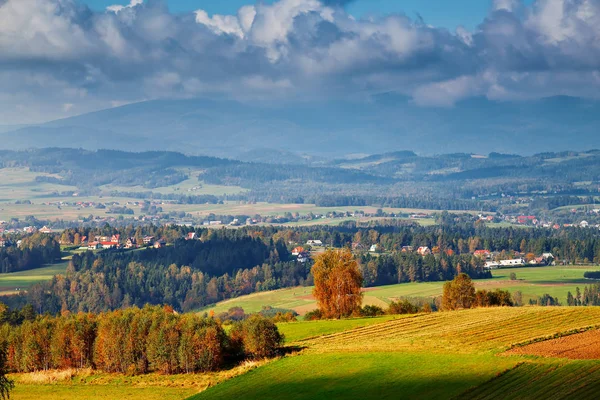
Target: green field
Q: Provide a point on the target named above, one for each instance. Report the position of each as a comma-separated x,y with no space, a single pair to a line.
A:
14,282
532,282
429,356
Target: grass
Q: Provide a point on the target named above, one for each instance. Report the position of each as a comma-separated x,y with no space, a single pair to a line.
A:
14,282
88,384
360,376
532,282
428,356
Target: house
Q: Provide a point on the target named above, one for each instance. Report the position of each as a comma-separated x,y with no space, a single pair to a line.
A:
131,243
491,265
148,239
303,257
538,261
516,262
297,251
314,243
524,219
109,245
482,254
4,242
191,236
423,251
374,248
357,246
548,256
407,249
94,246
45,229
159,244
213,223
584,224
115,238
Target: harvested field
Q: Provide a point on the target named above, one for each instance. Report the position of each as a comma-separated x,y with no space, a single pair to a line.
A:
581,346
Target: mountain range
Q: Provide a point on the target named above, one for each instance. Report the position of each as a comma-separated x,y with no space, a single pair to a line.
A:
384,123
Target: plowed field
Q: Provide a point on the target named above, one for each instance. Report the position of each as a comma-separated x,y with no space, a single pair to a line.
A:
581,346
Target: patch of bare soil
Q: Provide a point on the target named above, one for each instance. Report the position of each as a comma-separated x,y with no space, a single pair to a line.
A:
581,346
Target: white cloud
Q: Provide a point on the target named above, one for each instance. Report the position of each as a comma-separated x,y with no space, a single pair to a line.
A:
117,8
57,52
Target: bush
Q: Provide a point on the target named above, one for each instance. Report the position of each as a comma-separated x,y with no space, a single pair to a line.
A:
513,276
496,298
287,317
313,315
371,311
258,337
403,307
592,275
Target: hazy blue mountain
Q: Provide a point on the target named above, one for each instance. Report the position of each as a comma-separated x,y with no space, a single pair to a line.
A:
385,124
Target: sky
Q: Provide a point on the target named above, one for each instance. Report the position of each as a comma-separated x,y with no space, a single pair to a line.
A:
436,12
60,58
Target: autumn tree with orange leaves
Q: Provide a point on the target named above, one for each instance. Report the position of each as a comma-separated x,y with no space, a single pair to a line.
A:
337,283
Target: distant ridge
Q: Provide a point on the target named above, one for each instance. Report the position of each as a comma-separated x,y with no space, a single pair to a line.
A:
383,125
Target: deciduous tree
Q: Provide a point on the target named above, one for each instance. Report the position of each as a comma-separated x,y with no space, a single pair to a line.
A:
337,283
458,293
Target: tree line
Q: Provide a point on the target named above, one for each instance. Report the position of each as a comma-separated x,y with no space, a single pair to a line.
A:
134,341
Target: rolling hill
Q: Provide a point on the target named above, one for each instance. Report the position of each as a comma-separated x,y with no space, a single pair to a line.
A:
428,356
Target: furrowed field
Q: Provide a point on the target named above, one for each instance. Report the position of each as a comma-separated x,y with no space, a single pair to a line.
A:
440,355
532,282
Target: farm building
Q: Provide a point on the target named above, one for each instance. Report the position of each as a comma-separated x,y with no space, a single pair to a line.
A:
297,251
314,243
424,251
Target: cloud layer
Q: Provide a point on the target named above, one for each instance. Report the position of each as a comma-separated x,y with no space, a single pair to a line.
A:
59,58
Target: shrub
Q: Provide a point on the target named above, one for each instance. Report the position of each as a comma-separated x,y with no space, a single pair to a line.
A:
592,275
313,315
287,317
403,307
371,311
496,298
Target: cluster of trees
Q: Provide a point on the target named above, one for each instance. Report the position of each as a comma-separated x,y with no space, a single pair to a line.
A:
460,294
34,252
134,341
589,297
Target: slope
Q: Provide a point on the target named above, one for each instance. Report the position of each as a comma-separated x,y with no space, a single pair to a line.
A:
435,356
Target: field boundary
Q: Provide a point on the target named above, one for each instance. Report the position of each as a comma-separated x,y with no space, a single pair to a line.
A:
557,335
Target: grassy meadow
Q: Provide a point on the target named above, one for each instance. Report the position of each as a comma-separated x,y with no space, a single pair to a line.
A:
14,282
532,282
428,356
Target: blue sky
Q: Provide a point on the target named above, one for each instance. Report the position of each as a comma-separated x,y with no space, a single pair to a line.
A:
443,13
